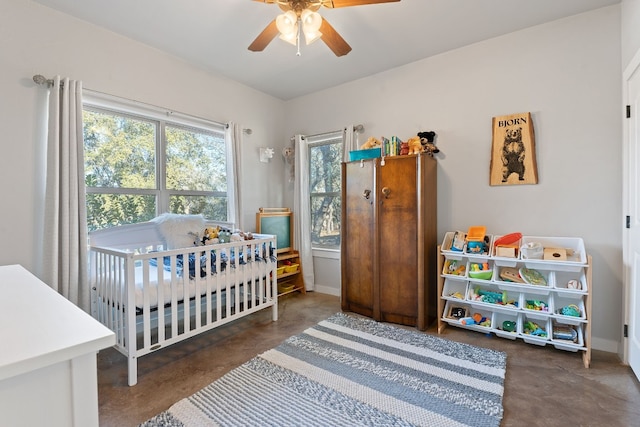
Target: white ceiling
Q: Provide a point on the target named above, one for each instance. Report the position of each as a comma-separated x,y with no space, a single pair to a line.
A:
214,34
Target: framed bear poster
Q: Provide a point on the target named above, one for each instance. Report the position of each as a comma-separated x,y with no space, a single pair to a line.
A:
513,151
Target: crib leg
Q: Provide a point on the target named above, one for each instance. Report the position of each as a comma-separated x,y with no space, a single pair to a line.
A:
132,364
274,311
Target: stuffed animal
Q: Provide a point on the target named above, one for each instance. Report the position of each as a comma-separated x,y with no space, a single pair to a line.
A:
427,138
415,146
210,235
372,142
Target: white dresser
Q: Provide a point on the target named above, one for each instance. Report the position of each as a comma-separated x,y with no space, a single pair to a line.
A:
48,348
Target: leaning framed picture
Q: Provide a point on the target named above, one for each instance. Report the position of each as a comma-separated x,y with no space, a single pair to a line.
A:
513,151
278,222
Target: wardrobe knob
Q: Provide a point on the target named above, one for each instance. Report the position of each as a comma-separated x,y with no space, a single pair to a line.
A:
366,194
386,191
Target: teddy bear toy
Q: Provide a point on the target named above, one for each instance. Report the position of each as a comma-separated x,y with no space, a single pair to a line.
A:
210,235
427,138
415,146
372,142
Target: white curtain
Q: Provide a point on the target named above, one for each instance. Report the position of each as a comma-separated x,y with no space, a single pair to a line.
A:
233,140
302,212
65,217
349,141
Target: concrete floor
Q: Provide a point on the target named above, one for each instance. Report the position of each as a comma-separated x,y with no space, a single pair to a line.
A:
543,387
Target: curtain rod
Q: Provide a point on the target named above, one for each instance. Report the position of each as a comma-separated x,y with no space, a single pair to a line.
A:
39,79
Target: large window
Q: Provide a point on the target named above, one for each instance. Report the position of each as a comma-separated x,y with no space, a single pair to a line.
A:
325,184
138,164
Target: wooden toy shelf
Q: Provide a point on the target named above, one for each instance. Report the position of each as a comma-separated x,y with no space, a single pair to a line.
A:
293,281
458,297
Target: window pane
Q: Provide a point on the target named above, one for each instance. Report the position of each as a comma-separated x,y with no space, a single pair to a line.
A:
195,160
108,210
119,151
209,207
325,170
325,220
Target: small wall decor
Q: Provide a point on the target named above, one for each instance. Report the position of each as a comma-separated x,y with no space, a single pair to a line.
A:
513,151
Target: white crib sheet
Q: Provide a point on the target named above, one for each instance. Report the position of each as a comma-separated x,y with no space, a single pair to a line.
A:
237,276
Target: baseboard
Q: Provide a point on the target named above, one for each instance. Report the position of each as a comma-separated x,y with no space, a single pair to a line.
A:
329,290
602,344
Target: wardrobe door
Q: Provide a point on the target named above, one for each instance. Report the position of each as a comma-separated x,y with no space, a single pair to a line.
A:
400,259
359,250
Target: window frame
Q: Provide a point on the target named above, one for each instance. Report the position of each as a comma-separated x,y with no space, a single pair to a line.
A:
161,118
312,141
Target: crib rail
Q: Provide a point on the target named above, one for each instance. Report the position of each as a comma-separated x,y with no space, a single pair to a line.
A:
154,299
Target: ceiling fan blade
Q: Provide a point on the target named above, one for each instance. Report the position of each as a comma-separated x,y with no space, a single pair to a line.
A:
334,40
265,37
347,3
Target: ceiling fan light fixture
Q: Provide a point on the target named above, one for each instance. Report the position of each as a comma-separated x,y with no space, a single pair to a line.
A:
287,23
311,20
311,36
290,38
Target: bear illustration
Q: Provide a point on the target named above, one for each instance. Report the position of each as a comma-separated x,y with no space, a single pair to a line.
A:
513,154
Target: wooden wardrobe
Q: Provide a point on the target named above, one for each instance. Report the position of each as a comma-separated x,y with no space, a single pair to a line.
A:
389,239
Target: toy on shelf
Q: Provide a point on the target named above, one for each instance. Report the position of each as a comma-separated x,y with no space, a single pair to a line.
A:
371,142
532,277
536,305
509,326
508,245
454,268
532,328
570,310
476,319
491,297
479,270
477,240
565,333
510,274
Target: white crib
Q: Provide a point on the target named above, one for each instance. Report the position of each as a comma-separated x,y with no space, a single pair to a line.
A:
152,298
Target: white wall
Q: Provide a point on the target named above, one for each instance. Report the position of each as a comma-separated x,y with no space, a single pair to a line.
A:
38,40
630,16
567,74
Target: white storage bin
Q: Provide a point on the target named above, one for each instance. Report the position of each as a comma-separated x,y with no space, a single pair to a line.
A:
453,287
562,301
486,322
499,276
561,279
455,310
455,268
498,253
534,337
568,345
535,277
533,297
447,242
497,325
576,256
486,269
491,295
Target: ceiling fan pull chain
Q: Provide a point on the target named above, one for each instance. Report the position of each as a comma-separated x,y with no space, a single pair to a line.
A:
298,36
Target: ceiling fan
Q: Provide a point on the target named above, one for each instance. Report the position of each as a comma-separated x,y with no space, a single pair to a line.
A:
301,16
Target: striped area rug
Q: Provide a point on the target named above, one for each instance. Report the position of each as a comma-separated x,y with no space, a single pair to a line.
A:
352,371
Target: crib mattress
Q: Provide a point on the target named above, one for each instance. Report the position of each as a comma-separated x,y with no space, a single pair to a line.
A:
185,287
